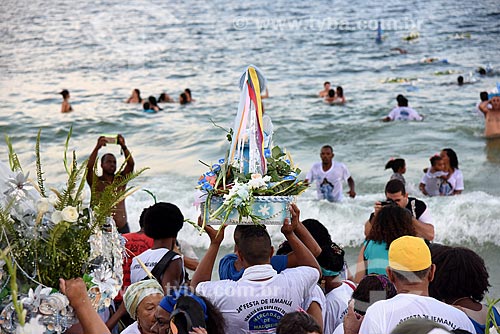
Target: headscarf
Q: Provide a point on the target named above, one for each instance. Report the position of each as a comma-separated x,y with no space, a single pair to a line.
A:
136,292
170,300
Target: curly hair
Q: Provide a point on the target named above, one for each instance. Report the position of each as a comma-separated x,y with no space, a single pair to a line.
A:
460,272
390,223
365,295
163,220
299,323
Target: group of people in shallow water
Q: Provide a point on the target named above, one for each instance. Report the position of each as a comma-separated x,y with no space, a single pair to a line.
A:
151,104
332,96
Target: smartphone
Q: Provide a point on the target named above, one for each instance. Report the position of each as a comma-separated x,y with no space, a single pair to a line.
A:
111,139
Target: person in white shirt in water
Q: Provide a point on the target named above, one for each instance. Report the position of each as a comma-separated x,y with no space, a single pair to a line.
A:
402,112
328,175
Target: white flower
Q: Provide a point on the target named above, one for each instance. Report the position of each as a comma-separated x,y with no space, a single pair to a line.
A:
266,178
18,186
256,176
69,214
43,205
53,199
243,193
56,217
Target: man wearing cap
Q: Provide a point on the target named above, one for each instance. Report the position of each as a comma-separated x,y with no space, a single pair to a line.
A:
410,269
328,175
395,193
65,106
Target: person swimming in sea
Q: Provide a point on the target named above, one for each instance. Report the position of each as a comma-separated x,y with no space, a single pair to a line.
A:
65,106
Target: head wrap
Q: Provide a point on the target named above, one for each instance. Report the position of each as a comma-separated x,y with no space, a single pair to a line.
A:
170,300
136,292
409,253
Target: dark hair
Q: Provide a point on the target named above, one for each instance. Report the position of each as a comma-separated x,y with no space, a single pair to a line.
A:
484,96
390,223
318,231
327,146
146,106
237,232
460,272
215,322
394,186
365,296
331,93
460,80
141,218
297,323
340,91
482,71
331,257
437,249
163,220
452,156
434,159
410,276
152,101
395,164
326,83
402,101
64,93
162,97
188,91
105,156
183,98
138,92
255,245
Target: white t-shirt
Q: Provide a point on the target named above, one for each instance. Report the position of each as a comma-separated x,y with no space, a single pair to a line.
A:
150,258
456,181
339,329
329,183
337,301
253,306
317,295
432,182
404,114
383,316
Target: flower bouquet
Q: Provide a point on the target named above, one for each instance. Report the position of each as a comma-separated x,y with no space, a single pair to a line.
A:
44,237
254,183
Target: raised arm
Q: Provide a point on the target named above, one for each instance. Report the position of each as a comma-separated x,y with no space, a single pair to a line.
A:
302,253
101,141
129,167
76,292
204,271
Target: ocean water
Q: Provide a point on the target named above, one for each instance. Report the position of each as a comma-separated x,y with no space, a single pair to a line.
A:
101,50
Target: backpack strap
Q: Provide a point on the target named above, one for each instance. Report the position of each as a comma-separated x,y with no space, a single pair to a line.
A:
160,267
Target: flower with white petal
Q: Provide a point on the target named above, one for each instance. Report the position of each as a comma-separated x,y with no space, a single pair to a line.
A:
53,199
69,214
18,186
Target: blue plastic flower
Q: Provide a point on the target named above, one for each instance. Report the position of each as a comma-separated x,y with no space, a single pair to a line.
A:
221,161
206,186
210,173
216,168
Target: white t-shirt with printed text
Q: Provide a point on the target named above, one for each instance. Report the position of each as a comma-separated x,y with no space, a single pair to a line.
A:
383,316
334,176
149,258
256,306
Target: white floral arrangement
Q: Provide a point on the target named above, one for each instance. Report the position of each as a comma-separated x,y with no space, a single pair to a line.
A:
46,237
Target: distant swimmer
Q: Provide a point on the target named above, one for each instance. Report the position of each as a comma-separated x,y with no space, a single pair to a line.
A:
379,37
460,80
147,108
330,98
189,96
135,97
402,112
401,51
326,89
154,104
340,98
491,111
183,99
65,106
430,60
165,98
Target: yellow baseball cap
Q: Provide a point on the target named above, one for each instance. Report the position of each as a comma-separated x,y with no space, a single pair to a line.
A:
409,253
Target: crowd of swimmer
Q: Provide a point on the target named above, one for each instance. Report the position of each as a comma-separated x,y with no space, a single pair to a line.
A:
151,104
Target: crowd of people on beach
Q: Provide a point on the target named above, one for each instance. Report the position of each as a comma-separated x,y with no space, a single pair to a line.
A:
402,283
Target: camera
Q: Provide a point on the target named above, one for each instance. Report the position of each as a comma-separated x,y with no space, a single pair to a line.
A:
388,202
111,139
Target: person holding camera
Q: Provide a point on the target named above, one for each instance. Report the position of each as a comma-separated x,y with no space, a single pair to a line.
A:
395,192
108,165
